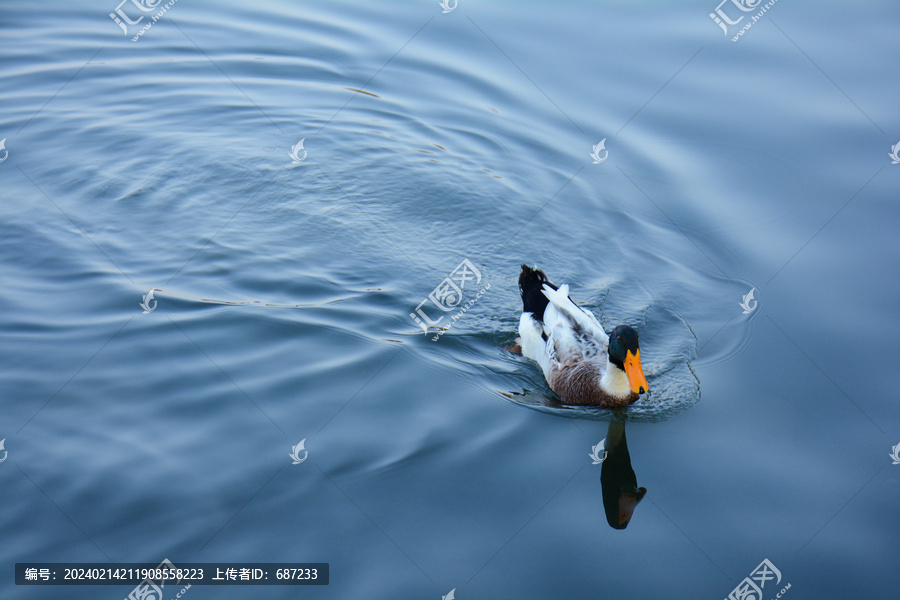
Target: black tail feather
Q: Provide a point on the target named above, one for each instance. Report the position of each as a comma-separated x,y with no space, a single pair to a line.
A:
531,283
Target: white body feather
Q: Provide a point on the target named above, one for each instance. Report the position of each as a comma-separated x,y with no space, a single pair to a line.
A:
573,336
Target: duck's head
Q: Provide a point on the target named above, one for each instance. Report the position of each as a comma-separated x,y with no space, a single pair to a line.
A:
625,354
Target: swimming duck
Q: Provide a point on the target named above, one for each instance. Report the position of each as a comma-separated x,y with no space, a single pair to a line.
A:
581,363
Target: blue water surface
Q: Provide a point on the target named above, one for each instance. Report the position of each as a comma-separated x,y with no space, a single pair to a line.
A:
284,277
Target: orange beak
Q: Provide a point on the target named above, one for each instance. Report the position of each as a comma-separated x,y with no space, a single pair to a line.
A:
635,373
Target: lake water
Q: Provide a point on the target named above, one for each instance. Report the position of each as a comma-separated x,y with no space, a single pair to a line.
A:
284,278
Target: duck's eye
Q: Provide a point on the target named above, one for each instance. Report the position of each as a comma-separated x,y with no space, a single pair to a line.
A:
619,338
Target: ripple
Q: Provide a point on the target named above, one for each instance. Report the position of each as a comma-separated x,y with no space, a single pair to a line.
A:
668,346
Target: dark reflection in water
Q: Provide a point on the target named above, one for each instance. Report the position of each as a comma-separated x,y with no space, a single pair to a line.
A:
620,491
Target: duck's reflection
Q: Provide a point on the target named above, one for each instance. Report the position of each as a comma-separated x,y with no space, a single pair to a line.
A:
620,491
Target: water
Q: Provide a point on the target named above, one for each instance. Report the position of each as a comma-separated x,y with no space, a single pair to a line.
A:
284,291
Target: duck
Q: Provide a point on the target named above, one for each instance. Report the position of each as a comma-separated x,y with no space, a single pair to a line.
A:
582,364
